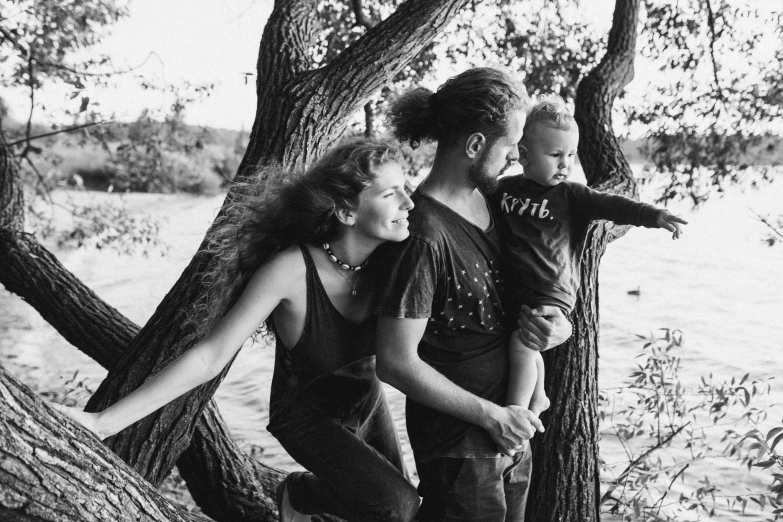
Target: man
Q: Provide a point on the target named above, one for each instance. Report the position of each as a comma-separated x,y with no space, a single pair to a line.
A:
442,334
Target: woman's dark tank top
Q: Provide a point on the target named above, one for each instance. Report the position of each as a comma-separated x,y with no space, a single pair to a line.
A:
332,366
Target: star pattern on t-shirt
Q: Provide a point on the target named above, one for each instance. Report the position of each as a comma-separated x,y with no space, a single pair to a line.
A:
474,299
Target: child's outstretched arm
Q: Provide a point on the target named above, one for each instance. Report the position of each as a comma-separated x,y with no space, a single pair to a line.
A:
671,223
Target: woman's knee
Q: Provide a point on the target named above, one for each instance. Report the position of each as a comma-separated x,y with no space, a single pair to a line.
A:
404,504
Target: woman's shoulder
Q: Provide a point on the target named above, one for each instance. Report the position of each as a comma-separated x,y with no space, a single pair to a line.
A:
285,265
291,256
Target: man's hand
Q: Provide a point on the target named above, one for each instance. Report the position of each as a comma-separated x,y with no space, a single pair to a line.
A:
671,223
511,427
543,327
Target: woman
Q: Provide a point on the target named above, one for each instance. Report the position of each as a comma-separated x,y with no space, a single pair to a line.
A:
296,257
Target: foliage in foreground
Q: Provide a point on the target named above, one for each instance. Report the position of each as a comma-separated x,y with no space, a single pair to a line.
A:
666,430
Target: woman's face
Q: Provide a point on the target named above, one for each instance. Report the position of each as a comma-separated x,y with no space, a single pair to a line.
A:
382,212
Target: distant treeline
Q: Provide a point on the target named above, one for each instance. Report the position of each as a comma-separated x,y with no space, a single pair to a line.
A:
141,156
169,156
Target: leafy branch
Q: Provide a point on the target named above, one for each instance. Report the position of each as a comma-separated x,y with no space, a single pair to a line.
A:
664,428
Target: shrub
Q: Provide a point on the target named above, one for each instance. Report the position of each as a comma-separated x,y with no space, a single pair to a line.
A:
192,173
665,428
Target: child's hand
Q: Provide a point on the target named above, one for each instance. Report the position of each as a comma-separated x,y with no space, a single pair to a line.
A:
671,223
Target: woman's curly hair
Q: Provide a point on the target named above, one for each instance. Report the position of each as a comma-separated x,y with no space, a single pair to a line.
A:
280,208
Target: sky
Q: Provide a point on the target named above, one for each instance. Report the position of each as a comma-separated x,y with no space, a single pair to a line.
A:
196,41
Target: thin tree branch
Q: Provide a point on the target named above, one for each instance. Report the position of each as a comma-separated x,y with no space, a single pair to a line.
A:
361,18
69,129
87,73
13,40
659,502
711,25
650,451
44,191
764,220
21,48
28,128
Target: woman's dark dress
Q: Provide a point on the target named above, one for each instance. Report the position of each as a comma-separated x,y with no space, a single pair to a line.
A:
329,412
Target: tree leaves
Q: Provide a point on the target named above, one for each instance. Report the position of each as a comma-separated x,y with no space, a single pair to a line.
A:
660,423
717,101
44,35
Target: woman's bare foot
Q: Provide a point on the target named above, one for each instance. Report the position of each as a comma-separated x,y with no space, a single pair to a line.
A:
539,403
287,511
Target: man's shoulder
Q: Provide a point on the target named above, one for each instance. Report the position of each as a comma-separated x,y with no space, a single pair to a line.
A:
429,219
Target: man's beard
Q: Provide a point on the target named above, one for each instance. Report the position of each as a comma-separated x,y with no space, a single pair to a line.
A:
482,179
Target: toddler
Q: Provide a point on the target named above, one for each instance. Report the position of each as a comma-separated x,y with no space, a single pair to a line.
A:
546,222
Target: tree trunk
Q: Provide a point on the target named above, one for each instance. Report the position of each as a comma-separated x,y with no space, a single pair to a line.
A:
11,203
566,481
75,311
300,113
53,470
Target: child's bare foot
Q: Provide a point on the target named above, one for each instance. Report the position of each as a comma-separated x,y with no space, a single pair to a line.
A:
287,511
539,404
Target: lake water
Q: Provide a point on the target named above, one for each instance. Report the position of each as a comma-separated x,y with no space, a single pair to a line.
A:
719,284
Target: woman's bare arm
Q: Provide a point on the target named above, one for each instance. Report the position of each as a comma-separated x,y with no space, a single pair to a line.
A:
267,288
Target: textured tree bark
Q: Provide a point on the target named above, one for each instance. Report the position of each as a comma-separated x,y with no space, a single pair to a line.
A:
52,470
566,482
11,203
302,111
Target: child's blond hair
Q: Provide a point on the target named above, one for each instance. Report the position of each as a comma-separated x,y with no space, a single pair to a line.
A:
550,110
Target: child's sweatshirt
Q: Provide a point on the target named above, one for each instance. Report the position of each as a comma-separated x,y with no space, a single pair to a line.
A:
546,231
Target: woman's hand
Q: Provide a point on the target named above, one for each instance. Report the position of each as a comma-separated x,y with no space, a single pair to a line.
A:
88,420
543,327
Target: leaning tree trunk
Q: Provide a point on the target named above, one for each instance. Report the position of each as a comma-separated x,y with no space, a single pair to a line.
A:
566,482
52,470
300,113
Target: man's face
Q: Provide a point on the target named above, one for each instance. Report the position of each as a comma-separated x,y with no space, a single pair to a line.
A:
498,155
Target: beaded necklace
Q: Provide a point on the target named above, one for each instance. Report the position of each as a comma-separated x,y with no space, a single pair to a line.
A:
343,264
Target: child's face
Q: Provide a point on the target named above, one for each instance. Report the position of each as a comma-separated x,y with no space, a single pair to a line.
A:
548,154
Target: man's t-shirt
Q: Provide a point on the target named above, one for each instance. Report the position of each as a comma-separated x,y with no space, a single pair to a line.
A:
448,271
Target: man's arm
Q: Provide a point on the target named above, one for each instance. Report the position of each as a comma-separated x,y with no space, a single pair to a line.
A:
398,364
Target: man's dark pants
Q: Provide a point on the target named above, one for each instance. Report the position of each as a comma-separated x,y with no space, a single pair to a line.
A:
474,489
